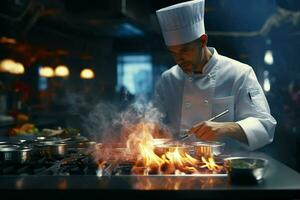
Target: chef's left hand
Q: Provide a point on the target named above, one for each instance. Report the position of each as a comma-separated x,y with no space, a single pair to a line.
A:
208,130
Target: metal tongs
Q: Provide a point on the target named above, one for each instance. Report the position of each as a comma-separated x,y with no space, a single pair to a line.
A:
188,131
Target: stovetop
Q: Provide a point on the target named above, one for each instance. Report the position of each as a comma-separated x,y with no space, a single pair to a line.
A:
74,163
79,161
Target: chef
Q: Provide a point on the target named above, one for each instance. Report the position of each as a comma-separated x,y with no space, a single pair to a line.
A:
205,83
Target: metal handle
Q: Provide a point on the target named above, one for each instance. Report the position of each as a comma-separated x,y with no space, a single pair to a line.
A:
219,115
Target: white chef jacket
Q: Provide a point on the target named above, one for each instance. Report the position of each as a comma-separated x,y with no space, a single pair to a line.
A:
225,84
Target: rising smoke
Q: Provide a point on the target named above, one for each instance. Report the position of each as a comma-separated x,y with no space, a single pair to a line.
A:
108,123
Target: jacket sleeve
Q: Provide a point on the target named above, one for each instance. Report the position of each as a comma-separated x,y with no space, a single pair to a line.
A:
253,113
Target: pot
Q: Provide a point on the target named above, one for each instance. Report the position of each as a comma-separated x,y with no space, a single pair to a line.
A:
171,147
14,154
80,143
52,149
208,149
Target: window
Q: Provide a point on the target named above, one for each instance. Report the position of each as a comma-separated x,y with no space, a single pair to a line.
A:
42,82
135,74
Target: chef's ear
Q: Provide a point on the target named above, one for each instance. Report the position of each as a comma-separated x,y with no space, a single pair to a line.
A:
204,39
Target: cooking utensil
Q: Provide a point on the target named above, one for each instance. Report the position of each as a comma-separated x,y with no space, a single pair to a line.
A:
245,170
208,149
51,149
14,154
188,131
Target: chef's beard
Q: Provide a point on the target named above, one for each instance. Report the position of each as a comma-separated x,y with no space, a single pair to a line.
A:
191,72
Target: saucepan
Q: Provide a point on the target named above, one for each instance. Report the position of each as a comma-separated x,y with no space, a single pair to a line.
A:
51,149
14,154
208,148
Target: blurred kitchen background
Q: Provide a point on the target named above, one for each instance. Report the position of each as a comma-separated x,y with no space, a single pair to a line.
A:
60,58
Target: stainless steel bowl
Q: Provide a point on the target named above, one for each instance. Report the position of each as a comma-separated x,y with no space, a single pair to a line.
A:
245,170
208,148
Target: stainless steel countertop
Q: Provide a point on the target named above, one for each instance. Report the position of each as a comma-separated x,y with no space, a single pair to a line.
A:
279,180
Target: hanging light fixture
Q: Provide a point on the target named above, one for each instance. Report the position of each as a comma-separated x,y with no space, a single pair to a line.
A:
7,65
46,72
87,74
62,71
18,68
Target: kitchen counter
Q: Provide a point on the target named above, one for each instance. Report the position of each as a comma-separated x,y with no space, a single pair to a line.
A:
281,182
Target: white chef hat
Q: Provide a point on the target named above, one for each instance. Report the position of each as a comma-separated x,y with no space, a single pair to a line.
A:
182,23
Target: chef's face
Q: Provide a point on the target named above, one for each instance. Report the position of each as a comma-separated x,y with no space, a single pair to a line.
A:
187,56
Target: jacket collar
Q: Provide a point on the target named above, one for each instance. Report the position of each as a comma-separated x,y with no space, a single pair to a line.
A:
212,61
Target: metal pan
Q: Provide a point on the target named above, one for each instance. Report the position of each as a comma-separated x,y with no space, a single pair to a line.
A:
14,154
51,149
208,148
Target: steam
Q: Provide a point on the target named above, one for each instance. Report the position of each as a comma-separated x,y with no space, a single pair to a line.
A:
107,123
113,126
102,122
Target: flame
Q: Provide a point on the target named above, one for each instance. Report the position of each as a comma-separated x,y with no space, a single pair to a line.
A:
183,162
210,164
141,143
141,149
101,167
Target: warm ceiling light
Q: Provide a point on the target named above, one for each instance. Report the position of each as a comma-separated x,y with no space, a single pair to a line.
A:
62,71
7,65
6,40
46,71
87,74
18,69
